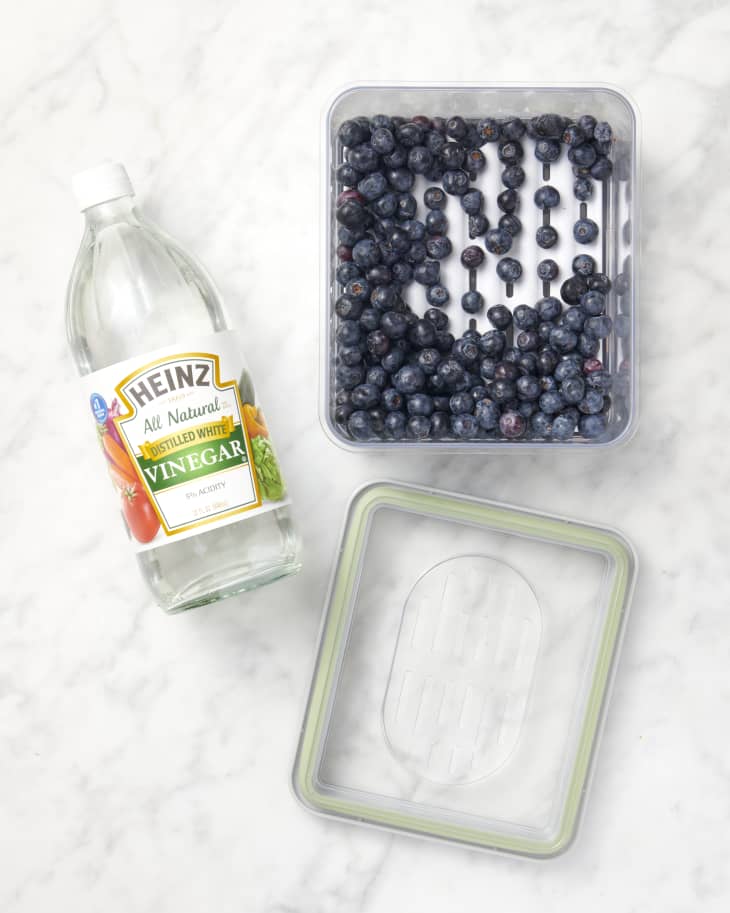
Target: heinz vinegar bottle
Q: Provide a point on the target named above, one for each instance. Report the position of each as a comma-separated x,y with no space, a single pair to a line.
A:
185,443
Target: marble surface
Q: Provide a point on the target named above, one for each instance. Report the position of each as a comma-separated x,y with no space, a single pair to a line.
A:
144,760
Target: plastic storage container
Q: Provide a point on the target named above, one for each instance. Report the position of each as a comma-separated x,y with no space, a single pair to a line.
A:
613,207
460,687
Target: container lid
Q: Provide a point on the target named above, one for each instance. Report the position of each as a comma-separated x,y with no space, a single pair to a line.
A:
104,182
463,669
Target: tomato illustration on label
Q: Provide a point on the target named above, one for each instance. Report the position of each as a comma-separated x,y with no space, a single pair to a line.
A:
139,514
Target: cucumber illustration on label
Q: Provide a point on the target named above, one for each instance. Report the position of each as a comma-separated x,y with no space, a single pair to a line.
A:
185,443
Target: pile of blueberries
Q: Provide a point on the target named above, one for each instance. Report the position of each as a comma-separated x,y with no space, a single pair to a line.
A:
535,373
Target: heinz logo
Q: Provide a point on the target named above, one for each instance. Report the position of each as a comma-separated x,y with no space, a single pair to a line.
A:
163,380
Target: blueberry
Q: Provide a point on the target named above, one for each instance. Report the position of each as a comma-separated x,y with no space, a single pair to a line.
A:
460,403
499,316
415,229
584,265
365,396
363,158
444,340
440,425
370,319
547,150
406,206
343,410
436,222
548,308
451,372
488,130
510,223
379,275
427,273
472,302
394,325
512,424
573,135
583,189
509,269
382,140
600,327
419,427
358,289
373,186
510,152
422,334
437,295
348,308
409,134
478,225
434,198
585,231
528,387
475,162
600,282
513,129
574,319
472,257
547,270
508,200
420,159
391,399
348,236
393,360
456,127
602,168
438,247
347,175
599,380
395,425
551,403
441,403
603,132
384,297
455,182
351,214
506,370
378,343
360,426
366,253
452,155
464,426
563,427
572,389
402,273
503,391
544,329
592,402
420,404
347,271
352,132
478,392
498,241
563,340
428,360
416,252
513,177
472,202
527,340
487,414
548,125
528,362
568,366
547,360
525,317
397,158
541,424
573,289
409,379
466,350
587,124
588,345
546,236
437,318
593,426
487,368
350,355
349,333
583,156
547,197
435,142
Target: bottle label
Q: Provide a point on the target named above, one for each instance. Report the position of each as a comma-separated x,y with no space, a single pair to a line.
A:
185,444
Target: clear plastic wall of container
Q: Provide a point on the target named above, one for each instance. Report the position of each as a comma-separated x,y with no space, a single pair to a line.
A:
612,205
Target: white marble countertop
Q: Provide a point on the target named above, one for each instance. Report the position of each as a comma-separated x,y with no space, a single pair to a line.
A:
145,759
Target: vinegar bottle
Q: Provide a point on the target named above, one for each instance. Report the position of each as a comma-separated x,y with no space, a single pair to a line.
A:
183,439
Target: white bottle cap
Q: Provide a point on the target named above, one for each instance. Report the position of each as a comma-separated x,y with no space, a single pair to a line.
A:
108,181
